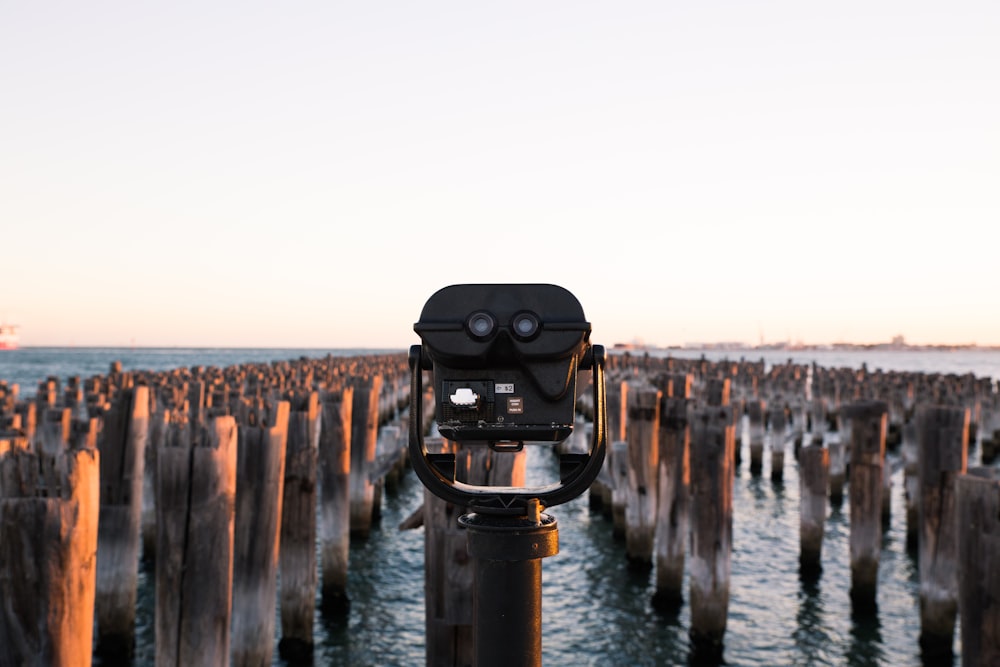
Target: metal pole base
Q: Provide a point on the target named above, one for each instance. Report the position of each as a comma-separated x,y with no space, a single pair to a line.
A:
507,609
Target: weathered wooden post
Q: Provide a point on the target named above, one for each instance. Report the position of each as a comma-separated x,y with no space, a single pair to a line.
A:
887,496
978,506
612,502
814,479
617,402
364,444
798,418
297,558
943,441
990,431
619,457
674,488
448,569
712,442
817,418
195,513
779,429
122,442
260,480
334,483
643,453
448,575
837,447
868,421
755,418
158,424
48,553
51,443
911,483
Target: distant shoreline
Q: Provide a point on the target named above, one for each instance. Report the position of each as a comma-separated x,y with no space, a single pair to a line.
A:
799,347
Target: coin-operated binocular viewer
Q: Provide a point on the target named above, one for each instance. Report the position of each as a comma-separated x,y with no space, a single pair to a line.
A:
505,360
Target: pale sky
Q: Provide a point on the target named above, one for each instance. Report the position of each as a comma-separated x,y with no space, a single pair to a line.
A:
307,174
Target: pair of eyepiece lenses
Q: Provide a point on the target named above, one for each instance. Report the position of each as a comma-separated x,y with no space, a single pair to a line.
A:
482,324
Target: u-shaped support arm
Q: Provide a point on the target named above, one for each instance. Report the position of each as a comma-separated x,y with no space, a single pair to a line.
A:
437,471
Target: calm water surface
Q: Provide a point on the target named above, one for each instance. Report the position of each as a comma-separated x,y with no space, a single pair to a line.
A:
596,610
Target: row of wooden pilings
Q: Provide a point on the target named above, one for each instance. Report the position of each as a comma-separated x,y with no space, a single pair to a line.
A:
223,480
675,429
70,496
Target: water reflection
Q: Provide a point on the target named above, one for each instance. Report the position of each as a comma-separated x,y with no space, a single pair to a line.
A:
865,649
811,636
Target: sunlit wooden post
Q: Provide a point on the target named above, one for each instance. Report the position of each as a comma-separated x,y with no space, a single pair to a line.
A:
334,482
122,442
712,441
364,444
297,558
868,421
943,441
195,513
814,478
978,505
260,478
674,489
615,464
643,453
48,553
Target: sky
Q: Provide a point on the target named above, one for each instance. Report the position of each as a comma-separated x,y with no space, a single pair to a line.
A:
308,174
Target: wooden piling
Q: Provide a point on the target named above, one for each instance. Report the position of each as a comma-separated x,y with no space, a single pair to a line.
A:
260,479
978,504
449,571
448,576
364,444
817,419
643,471
868,420
755,418
195,512
672,524
122,442
712,443
943,440
779,428
48,554
334,482
990,431
158,423
619,458
297,558
838,465
887,494
612,503
814,478
911,483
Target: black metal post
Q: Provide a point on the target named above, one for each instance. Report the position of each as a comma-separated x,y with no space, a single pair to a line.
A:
507,609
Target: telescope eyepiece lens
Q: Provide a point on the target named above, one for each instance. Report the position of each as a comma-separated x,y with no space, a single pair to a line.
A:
526,325
481,324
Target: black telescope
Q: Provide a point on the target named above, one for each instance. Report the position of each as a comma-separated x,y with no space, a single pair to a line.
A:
505,359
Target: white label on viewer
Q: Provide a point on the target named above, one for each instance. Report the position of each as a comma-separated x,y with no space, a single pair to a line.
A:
504,387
